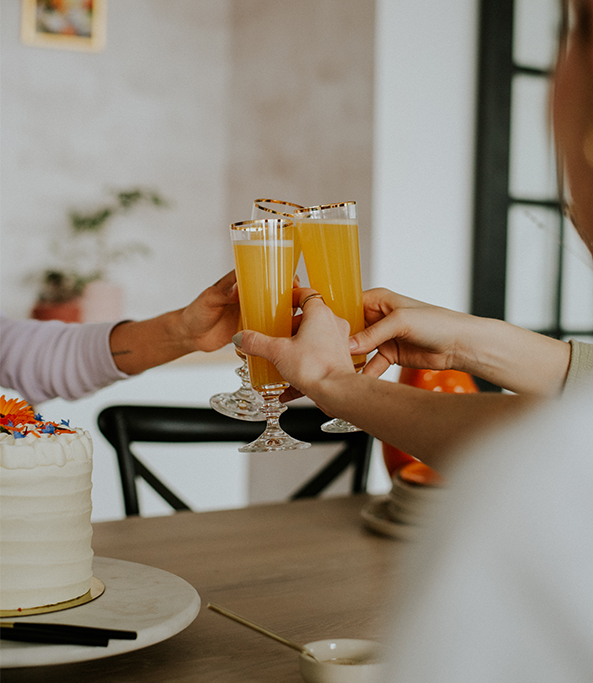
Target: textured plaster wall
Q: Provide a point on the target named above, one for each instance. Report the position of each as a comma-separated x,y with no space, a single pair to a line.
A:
151,109
301,124
212,102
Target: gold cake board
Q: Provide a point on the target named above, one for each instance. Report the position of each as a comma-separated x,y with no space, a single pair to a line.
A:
97,588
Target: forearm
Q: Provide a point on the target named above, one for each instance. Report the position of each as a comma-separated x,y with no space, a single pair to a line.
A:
426,424
207,324
513,358
45,359
138,346
413,334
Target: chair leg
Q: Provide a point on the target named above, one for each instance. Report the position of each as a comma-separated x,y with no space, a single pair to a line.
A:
325,476
362,462
357,453
125,461
163,491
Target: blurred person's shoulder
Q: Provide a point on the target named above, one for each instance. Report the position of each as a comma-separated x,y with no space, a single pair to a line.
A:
580,370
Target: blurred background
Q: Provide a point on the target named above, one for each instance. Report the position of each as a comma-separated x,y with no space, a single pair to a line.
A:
431,115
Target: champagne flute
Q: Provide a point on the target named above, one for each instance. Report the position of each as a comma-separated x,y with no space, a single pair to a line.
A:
264,262
244,404
329,240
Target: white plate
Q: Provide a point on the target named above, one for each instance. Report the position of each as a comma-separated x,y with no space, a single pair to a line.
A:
150,601
375,516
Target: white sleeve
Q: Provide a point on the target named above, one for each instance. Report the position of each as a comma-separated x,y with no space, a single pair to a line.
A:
500,588
46,359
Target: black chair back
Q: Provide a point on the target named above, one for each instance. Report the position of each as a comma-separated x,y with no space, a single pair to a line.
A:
122,425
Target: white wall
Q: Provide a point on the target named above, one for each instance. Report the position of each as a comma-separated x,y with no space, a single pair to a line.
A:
212,102
424,146
150,110
124,117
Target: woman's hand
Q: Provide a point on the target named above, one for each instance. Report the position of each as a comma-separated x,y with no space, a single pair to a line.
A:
319,350
417,335
212,319
409,333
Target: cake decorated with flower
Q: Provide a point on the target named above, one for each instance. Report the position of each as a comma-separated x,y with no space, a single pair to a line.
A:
45,509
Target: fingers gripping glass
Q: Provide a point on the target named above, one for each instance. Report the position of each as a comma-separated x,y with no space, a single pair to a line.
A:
264,262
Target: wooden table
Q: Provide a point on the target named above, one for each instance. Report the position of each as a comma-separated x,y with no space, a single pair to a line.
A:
306,569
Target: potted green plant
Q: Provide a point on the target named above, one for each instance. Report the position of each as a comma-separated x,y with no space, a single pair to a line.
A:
59,296
79,289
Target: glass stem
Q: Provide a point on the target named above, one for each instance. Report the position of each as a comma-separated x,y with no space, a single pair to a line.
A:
245,392
272,409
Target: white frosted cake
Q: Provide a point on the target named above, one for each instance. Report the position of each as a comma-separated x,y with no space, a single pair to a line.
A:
45,509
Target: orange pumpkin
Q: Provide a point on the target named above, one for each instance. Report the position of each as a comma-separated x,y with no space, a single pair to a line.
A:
419,474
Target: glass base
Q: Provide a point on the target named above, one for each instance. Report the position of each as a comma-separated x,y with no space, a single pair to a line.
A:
274,437
237,407
337,426
273,442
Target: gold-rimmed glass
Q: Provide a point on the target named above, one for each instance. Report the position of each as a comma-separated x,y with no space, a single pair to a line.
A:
245,403
329,240
272,208
264,262
262,208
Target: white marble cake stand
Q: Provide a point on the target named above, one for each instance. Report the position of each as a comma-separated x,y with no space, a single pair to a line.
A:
152,602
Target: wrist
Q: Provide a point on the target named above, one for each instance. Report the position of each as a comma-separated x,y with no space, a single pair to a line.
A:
335,391
469,341
514,358
179,332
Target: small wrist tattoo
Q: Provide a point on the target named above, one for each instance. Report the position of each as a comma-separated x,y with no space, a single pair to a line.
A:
121,353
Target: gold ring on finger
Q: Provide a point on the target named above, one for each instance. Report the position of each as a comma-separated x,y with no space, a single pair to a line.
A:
311,296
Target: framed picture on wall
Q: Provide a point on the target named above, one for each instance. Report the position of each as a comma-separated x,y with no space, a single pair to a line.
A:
64,24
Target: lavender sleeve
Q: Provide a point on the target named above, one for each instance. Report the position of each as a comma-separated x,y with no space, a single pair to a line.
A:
46,359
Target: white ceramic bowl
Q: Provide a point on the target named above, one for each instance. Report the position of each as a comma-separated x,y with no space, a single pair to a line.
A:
343,660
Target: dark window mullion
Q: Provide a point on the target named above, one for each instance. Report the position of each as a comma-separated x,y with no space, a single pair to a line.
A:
495,72
531,71
491,188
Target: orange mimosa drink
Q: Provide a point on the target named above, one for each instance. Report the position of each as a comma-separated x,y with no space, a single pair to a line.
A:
264,277
264,255
332,257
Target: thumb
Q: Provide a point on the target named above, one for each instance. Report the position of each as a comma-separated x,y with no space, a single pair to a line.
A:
253,343
372,337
